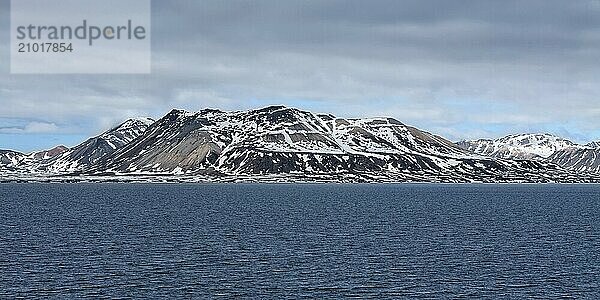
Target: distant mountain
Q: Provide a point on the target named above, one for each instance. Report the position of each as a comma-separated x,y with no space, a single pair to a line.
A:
278,143
541,147
519,146
17,161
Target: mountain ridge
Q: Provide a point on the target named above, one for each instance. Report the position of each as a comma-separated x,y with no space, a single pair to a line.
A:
541,147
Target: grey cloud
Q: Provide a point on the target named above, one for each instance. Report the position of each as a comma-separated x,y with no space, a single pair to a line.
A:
413,60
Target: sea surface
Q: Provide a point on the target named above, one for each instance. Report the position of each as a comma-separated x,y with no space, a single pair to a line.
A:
299,241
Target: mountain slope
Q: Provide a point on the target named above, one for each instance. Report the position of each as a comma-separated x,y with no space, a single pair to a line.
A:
10,160
593,145
20,162
579,159
95,148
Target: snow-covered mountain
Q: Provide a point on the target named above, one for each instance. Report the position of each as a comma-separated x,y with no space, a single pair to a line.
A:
17,161
96,148
278,140
519,146
292,144
10,159
61,159
541,147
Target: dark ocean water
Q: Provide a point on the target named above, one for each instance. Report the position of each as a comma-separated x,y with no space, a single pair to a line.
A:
295,241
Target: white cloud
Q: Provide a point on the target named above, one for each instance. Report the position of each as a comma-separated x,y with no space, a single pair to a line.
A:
32,127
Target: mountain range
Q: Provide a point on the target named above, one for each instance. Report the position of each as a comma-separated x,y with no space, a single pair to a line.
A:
278,143
540,147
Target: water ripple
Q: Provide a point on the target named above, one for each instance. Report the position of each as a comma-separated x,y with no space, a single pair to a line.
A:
299,241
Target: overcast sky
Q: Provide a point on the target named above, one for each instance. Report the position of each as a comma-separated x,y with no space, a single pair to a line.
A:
461,69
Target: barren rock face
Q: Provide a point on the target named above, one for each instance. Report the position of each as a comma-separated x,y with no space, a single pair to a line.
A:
47,154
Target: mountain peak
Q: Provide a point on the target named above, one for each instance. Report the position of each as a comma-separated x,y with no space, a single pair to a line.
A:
270,108
143,120
133,122
176,112
47,154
